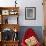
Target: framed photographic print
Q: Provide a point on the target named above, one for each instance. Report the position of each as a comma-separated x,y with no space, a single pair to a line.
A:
30,13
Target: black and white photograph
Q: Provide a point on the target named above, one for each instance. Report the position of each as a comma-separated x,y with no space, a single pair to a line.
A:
30,13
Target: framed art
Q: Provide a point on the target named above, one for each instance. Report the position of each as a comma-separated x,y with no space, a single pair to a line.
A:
5,12
30,13
13,12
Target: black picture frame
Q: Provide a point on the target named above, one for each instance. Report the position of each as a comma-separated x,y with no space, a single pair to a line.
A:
30,13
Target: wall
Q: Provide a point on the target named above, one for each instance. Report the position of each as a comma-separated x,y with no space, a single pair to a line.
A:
39,12
27,3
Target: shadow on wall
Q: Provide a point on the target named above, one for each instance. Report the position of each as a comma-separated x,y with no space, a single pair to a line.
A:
37,29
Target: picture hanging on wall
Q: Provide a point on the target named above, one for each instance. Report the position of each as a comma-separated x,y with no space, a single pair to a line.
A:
30,13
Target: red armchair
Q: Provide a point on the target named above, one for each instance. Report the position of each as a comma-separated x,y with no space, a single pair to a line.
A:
28,34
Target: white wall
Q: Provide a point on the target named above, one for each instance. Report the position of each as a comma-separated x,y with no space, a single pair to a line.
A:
39,12
27,3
